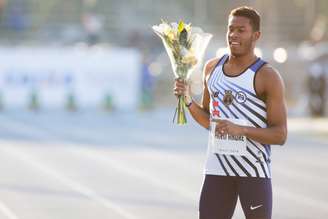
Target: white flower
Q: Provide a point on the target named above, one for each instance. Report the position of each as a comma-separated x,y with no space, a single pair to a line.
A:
162,28
175,27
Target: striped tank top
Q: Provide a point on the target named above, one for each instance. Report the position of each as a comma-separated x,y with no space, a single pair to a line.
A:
235,97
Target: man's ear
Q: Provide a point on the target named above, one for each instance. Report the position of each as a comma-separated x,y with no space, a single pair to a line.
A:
256,35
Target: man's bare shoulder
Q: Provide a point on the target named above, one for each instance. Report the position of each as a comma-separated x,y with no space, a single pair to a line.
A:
268,78
269,74
209,65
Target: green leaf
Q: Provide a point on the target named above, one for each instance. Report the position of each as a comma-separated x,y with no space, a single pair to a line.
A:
181,26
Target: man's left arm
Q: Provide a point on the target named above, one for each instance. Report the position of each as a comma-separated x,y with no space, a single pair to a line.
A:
272,87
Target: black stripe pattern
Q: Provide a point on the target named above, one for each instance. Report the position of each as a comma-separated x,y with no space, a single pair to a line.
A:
257,161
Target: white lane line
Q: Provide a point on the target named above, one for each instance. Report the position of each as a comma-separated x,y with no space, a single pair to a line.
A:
78,187
7,211
296,174
286,194
301,162
115,164
129,169
298,198
301,199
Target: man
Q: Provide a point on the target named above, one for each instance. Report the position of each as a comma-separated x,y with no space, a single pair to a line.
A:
243,107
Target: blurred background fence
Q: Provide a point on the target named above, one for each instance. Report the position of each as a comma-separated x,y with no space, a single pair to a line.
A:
293,41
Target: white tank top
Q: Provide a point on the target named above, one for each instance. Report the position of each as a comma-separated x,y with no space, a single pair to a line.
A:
235,97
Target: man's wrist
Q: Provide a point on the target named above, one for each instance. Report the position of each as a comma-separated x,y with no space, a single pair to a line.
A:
244,130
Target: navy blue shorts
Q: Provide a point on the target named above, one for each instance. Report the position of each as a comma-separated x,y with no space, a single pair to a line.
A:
219,197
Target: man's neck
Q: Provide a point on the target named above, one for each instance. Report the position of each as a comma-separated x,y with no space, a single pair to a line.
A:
244,60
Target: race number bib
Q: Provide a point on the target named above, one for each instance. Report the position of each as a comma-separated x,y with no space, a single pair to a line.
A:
227,144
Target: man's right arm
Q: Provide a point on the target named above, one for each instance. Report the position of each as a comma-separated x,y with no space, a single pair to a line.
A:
200,112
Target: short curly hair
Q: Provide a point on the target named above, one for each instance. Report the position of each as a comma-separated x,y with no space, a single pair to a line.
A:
250,13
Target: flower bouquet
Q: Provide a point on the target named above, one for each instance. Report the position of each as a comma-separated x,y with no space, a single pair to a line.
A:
185,46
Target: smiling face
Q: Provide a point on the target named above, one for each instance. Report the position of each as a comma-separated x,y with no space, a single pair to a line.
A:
241,38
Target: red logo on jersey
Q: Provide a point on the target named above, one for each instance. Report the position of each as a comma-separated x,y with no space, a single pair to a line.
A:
215,103
216,113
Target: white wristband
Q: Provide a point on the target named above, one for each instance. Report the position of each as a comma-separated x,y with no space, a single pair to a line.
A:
188,100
